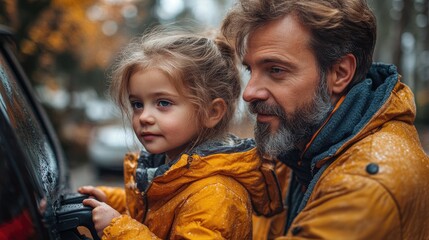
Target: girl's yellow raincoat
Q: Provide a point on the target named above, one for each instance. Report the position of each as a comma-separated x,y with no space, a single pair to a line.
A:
206,194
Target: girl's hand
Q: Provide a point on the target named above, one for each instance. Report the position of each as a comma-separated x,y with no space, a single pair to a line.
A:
94,192
102,214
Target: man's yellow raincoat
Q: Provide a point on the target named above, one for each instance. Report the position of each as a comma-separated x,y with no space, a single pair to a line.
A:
364,175
207,194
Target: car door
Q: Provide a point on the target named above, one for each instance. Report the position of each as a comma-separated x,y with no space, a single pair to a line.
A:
36,202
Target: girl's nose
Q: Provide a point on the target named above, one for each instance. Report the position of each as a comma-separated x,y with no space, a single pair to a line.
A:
146,117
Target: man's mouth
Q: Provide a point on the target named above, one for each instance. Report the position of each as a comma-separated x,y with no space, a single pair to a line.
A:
264,117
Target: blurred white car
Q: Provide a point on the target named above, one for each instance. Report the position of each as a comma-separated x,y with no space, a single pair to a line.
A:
108,145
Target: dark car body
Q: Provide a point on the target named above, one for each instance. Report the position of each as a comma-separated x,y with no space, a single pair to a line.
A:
36,202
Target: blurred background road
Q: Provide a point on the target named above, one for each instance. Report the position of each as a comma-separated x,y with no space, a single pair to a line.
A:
68,47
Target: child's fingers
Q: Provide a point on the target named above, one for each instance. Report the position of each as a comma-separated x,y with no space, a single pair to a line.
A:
91,202
85,189
94,192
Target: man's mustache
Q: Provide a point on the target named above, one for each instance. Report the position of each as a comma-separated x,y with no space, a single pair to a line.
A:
260,107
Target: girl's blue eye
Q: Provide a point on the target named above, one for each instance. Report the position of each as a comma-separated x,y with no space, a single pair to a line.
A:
164,103
136,105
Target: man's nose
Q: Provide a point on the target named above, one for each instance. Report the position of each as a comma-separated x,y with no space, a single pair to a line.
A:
255,90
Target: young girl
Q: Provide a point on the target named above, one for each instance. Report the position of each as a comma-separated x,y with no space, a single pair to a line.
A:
193,181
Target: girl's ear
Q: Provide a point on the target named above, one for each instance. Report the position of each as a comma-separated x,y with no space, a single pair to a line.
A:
216,112
341,75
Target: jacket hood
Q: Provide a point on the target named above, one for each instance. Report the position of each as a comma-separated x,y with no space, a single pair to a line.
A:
231,156
364,109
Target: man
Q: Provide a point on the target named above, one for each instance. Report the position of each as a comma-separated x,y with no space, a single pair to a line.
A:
352,166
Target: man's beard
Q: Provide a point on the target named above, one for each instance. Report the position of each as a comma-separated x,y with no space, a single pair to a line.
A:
294,129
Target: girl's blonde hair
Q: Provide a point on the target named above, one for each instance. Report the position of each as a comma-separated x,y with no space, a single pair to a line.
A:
201,66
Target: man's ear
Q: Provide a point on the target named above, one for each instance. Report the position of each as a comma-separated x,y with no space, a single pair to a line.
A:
342,74
216,112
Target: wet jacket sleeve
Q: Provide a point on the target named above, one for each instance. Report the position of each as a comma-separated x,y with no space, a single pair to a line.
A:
115,198
360,209
125,227
216,211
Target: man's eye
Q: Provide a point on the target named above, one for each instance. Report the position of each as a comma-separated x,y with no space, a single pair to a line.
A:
164,103
136,105
276,70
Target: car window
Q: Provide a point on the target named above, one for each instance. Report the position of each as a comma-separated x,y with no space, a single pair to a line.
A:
32,138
